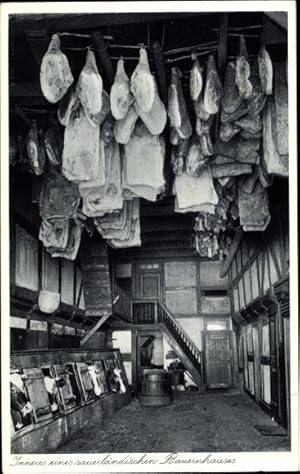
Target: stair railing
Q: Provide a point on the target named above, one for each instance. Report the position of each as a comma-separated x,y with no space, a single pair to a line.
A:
183,340
153,312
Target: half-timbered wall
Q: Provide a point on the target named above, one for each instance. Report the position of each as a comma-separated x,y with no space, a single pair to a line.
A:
259,301
32,270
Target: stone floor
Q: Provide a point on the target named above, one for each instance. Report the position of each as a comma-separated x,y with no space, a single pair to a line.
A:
210,422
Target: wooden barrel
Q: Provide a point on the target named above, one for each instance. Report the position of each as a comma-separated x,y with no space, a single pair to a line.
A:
155,390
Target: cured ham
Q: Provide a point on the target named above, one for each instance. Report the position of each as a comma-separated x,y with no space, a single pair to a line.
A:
53,145
120,96
142,83
231,99
174,107
156,119
177,109
68,107
107,129
92,189
123,129
265,68
195,193
195,160
250,124
273,162
200,111
242,72
196,80
174,137
35,151
54,233
99,199
121,229
71,250
228,131
253,208
143,163
97,119
89,86
55,74
58,198
80,160
213,88
206,145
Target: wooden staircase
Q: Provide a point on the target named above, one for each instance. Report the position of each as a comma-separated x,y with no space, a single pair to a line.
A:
154,313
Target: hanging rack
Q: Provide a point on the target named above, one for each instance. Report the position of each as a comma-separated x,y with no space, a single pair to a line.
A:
83,35
188,56
191,48
128,46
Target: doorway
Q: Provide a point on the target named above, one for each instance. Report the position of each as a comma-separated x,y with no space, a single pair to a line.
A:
148,282
218,369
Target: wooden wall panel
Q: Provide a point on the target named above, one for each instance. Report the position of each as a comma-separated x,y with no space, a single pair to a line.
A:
26,265
67,281
182,302
180,274
209,276
215,304
50,272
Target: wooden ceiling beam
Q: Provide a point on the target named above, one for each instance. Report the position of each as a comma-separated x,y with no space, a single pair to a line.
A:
91,21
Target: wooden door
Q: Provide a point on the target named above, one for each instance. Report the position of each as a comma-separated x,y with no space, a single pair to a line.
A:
218,369
149,285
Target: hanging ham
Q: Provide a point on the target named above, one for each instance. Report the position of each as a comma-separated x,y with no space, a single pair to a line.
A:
196,80
253,208
177,109
55,74
89,86
228,131
123,129
80,160
54,233
54,144
120,96
35,151
265,67
97,119
143,163
200,111
273,162
59,198
71,250
142,83
213,88
68,106
156,119
195,160
250,124
103,198
195,193
242,72
231,99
